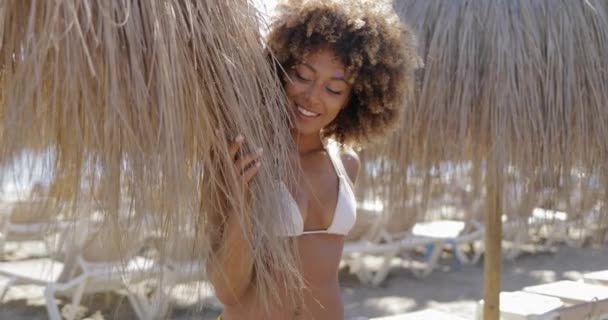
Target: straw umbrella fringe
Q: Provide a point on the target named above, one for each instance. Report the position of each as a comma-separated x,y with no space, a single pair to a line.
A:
525,79
537,62
137,102
517,86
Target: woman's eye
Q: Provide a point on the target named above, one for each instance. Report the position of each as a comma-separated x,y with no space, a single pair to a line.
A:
299,76
333,91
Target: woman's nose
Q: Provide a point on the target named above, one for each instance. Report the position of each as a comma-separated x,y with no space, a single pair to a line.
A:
313,93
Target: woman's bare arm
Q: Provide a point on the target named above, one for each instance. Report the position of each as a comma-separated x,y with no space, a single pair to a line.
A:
230,271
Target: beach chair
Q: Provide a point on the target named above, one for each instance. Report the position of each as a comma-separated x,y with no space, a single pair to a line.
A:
432,237
464,239
538,232
582,300
182,263
598,277
25,221
540,217
189,275
96,267
422,315
558,226
34,271
563,300
587,311
571,292
93,278
356,254
521,305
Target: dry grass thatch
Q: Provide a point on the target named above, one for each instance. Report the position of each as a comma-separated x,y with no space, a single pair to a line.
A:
522,82
135,102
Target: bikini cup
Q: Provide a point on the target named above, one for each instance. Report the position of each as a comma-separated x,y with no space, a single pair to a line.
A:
345,213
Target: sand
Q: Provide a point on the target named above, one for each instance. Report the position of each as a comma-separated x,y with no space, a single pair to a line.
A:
451,288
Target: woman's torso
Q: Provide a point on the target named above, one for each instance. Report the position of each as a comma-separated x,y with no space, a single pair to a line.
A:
320,256
317,197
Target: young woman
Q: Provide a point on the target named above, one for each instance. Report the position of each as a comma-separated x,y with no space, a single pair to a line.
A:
347,71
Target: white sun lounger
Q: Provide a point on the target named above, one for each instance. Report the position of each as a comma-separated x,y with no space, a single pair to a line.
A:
521,305
551,225
453,234
520,234
24,223
433,236
571,292
583,300
88,268
36,271
429,314
183,262
94,277
173,274
598,277
354,254
562,300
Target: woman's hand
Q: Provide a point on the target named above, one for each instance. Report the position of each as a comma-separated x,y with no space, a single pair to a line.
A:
231,268
246,165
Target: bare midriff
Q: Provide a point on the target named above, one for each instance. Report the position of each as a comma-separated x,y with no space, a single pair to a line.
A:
319,257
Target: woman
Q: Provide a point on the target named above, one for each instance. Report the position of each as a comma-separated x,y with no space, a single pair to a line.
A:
348,69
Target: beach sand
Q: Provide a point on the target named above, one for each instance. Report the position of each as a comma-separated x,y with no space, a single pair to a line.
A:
449,288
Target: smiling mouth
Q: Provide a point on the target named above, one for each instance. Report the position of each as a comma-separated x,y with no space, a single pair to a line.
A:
305,112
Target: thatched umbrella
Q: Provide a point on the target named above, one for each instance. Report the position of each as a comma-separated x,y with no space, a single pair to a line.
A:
516,89
137,102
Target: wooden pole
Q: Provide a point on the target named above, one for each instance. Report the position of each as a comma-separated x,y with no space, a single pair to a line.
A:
493,238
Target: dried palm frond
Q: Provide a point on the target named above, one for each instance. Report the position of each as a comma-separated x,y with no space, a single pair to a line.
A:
521,82
137,101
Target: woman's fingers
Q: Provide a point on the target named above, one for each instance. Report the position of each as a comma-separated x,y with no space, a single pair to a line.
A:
246,161
245,165
251,172
236,146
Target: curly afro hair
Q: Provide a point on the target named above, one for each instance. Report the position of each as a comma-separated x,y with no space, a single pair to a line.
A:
376,48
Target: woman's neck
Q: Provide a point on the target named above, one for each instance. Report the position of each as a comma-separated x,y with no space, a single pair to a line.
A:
307,143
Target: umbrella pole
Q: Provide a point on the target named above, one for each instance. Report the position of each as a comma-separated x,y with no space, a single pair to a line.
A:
493,241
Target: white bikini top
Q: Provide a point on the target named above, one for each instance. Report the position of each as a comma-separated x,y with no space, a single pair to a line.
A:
345,213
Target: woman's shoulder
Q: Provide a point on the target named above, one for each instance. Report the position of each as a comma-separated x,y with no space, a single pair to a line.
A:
352,163
349,157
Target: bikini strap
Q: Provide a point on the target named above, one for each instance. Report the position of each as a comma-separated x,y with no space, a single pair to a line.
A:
333,150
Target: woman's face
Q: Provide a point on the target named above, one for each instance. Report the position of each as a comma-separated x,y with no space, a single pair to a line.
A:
317,90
